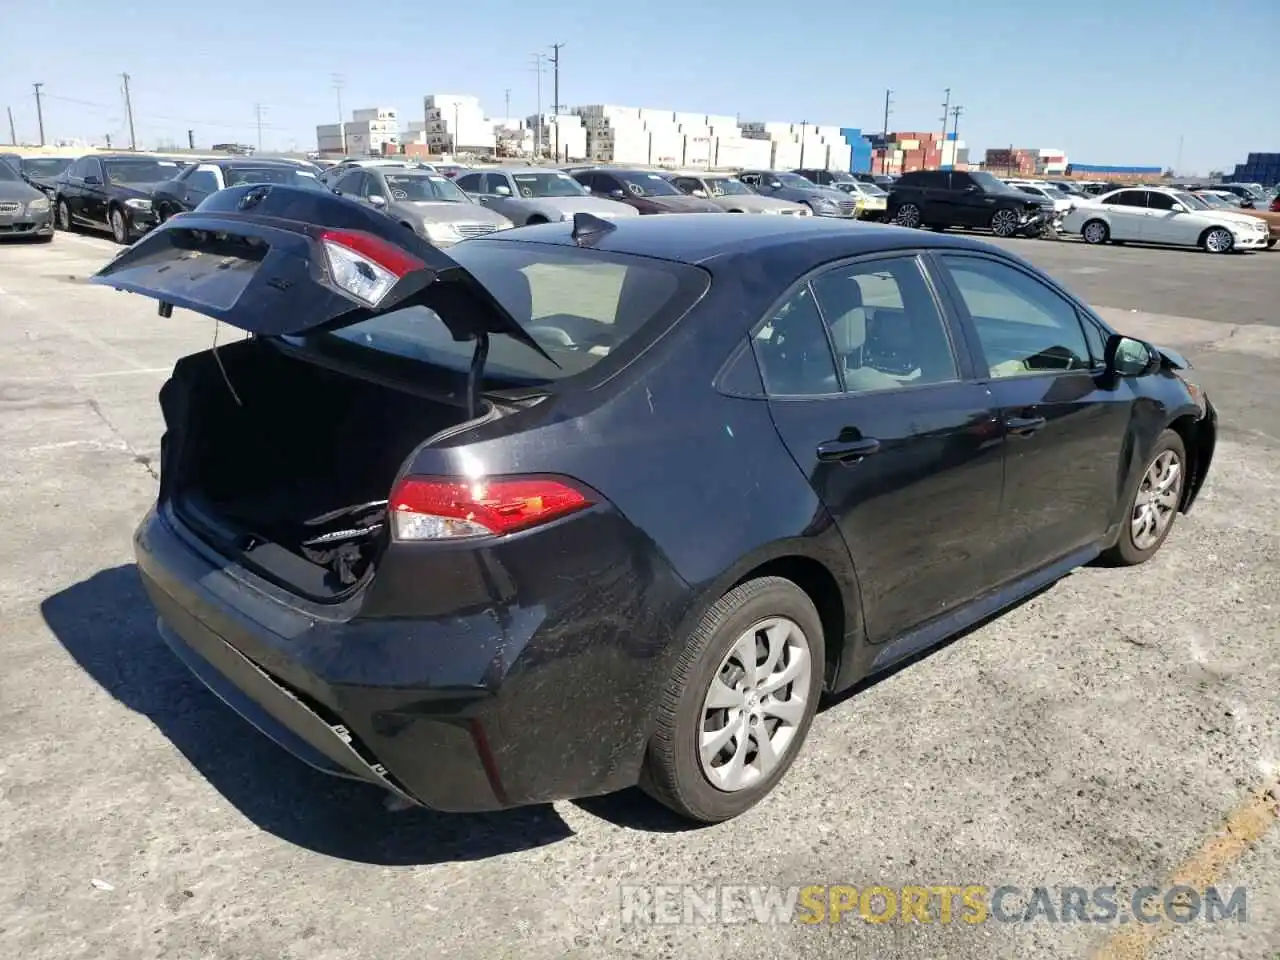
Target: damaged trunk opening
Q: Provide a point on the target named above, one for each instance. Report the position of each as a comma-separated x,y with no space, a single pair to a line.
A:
287,465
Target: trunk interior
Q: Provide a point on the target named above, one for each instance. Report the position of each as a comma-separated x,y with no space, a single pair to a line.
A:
293,479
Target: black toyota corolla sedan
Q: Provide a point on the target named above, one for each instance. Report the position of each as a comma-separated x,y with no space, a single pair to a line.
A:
591,504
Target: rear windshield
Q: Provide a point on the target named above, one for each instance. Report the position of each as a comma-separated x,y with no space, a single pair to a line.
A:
580,305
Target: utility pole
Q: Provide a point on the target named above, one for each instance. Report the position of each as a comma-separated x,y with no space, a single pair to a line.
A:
507,111
884,160
555,107
191,139
804,125
257,111
13,134
338,83
453,141
955,121
946,109
39,111
538,68
128,109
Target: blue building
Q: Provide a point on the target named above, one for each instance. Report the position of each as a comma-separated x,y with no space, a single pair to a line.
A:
859,149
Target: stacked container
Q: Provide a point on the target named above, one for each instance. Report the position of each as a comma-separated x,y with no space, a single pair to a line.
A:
1263,168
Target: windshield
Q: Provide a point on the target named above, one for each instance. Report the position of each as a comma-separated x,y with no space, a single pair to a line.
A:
727,187
578,304
796,182
238,176
45,166
416,187
140,171
1213,200
547,185
649,185
1190,201
7,172
990,183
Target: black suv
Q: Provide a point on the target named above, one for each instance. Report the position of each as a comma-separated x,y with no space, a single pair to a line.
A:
956,198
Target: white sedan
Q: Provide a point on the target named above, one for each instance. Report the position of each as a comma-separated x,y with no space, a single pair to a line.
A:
1166,216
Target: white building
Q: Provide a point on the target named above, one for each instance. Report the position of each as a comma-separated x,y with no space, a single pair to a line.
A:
370,131
805,145
559,136
454,123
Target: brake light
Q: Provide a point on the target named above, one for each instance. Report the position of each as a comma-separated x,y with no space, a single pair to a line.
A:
365,266
431,508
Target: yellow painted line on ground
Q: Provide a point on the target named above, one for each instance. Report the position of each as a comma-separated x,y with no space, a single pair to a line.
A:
1244,827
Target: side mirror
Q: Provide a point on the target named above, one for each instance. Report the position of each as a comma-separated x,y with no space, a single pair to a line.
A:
502,191
1128,357
378,201
971,188
93,180
617,194
1179,208
698,193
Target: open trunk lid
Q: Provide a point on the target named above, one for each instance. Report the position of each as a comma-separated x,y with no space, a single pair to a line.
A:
275,260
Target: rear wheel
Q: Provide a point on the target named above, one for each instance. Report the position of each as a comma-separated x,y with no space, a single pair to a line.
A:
64,215
1217,240
739,703
1095,232
908,216
1154,505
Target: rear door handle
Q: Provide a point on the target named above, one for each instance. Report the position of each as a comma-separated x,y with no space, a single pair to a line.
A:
1024,426
846,451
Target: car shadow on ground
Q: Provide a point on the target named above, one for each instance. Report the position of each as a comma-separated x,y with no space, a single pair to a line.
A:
107,624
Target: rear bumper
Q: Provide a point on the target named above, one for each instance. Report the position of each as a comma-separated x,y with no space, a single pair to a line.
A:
464,713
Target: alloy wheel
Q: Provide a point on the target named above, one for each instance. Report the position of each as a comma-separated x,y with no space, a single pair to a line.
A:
755,704
1218,240
1004,223
64,215
1095,231
1157,500
118,229
908,215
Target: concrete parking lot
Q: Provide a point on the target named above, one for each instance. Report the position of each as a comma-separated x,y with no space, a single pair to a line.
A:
1116,729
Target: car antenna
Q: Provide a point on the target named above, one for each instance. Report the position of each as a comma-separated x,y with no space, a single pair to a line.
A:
588,228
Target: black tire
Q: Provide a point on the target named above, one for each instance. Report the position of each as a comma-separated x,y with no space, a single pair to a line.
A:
1126,553
673,772
1271,243
119,224
1207,240
909,215
48,239
1004,223
1098,236
62,216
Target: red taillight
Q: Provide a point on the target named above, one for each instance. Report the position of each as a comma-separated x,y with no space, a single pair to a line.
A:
1275,204
386,255
434,508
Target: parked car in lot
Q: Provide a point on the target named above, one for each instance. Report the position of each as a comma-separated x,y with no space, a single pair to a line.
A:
823,201
112,192
40,171
873,201
574,507
189,189
1250,194
958,198
24,210
882,180
826,178
331,175
526,195
429,204
732,195
1162,215
648,191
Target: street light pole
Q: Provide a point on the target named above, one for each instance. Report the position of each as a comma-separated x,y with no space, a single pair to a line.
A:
884,157
39,111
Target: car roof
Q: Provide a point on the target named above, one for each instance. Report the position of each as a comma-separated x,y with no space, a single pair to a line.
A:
516,171
250,162
699,237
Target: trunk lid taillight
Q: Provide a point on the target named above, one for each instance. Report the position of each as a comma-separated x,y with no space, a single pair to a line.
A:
452,508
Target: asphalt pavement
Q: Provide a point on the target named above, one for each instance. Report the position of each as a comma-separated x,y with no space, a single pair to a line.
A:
1114,730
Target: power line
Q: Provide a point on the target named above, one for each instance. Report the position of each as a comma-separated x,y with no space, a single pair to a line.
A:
128,109
39,111
155,116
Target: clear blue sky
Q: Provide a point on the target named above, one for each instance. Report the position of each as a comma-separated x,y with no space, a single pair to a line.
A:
1111,83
